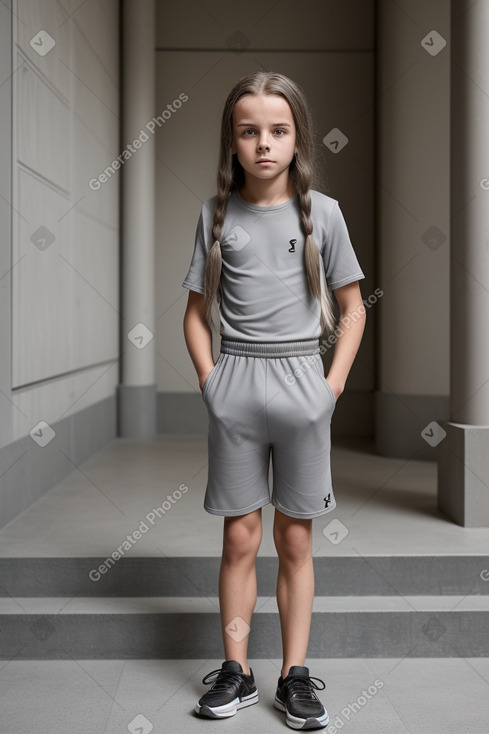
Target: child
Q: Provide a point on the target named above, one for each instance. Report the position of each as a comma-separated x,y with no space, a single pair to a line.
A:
264,247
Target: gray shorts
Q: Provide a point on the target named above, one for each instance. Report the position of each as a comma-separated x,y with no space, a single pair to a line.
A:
269,400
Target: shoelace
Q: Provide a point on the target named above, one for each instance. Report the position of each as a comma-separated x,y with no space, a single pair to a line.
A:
224,679
302,686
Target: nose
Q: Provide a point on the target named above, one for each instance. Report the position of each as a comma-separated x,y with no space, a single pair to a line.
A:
263,143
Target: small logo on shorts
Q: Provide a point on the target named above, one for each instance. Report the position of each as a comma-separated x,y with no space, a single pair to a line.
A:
327,500
292,245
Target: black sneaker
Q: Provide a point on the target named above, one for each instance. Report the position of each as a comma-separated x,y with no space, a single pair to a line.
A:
231,690
295,696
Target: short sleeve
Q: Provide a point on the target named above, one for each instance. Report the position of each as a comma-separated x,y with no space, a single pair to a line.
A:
194,280
340,262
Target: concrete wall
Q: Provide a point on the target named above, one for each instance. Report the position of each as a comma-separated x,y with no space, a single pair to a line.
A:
59,250
413,223
201,52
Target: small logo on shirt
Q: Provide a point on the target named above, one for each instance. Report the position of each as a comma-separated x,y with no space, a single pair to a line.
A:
292,245
327,500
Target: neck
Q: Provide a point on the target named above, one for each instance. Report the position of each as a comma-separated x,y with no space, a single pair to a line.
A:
267,193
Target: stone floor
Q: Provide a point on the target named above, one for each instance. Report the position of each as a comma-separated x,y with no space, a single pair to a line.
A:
385,505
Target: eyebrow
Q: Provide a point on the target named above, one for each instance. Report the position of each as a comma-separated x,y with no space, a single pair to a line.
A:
252,124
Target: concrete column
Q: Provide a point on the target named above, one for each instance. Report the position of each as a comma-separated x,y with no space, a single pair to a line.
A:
463,477
137,391
412,225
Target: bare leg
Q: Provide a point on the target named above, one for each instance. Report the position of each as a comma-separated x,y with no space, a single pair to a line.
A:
237,582
295,586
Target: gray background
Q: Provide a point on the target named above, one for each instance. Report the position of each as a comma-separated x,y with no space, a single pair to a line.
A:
364,71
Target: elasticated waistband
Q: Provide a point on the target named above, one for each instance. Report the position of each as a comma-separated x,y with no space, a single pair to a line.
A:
270,349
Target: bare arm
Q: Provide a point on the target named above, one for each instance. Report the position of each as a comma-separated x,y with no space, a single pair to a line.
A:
198,336
351,324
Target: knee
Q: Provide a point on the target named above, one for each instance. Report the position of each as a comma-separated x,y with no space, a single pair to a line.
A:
293,543
240,541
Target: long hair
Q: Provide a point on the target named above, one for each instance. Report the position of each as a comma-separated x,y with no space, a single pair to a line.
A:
230,176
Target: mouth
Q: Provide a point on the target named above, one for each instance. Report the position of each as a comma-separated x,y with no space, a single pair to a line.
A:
265,160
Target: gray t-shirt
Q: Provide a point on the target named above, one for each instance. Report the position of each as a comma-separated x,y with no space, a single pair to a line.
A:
265,295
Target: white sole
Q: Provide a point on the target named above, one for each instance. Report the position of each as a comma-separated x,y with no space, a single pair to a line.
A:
228,709
297,723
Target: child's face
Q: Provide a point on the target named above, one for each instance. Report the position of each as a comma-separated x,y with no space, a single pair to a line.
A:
263,128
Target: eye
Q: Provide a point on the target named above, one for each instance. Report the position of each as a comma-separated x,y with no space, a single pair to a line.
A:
279,132
249,130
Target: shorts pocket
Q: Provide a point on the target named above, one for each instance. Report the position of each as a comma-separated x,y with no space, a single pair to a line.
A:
210,377
320,370
330,391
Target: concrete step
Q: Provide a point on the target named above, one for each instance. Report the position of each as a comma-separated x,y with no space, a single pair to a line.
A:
342,575
189,627
160,607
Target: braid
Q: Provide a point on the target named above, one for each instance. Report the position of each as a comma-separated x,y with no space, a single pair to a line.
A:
312,258
213,265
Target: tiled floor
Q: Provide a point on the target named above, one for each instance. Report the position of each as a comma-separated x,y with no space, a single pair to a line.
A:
388,506
367,696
